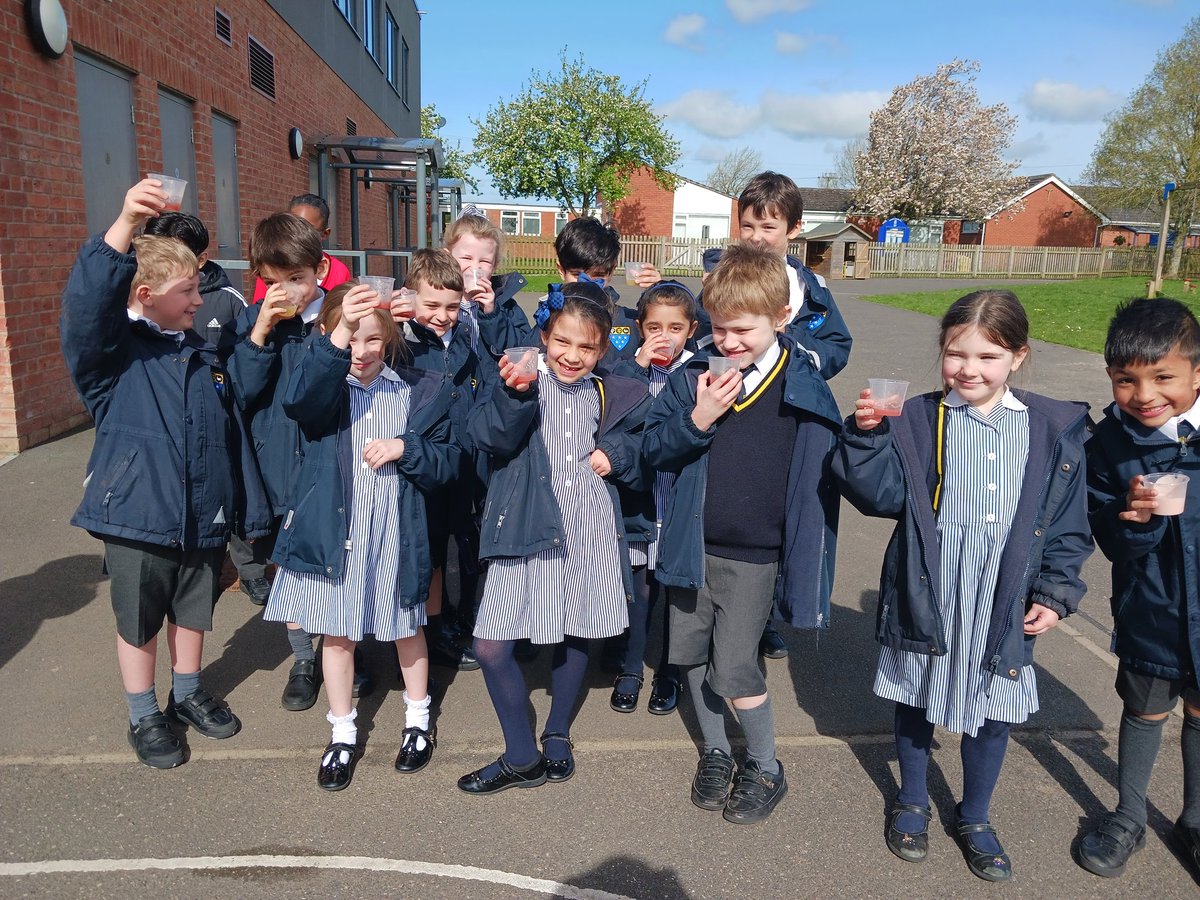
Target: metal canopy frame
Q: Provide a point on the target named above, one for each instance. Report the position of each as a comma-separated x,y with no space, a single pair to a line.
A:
408,169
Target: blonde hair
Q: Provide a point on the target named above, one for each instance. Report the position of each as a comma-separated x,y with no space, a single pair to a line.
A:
435,269
747,280
478,226
159,259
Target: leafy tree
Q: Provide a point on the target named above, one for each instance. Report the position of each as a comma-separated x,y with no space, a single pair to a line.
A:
1155,138
574,136
732,174
456,163
933,150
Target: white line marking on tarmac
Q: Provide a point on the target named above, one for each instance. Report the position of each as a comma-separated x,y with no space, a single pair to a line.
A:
359,863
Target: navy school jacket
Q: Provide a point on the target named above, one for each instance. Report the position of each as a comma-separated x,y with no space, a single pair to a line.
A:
673,443
521,516
891,472
1155,578
261,378
506,325
170,465
315,528
818,326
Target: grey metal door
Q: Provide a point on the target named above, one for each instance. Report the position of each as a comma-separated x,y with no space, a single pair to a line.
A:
229,224
106,138
179,153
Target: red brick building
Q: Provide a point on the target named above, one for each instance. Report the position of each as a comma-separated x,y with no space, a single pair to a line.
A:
210,91
1054,215
692,210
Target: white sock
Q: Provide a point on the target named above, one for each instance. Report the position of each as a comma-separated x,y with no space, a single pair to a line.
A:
344,729
416,715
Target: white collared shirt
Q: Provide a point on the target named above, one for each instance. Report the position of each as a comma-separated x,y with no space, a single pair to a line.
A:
753,375
138,317
1009,400
313,309
1170,428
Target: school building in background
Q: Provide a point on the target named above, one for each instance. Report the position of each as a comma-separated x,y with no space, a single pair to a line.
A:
95,95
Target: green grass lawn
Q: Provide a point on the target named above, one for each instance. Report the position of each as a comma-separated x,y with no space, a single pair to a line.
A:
536,284
1072,313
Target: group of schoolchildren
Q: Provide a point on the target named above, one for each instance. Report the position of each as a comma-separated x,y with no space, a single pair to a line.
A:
347,437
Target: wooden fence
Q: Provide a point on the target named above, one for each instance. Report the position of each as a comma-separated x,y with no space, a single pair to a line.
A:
676,257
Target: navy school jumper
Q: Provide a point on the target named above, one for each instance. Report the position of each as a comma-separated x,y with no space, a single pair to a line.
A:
892,472
170,465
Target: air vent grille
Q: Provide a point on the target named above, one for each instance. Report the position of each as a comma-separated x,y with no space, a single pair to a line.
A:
262,68
224,28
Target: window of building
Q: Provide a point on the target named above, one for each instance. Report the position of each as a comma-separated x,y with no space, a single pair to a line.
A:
508,221
531,223
404,71
560,222
391,40
368,27
346,8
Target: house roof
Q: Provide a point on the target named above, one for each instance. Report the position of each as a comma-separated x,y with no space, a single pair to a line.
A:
838,200
827,231
1036,182
1097,195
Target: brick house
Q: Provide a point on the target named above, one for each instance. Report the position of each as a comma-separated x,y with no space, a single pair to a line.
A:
522,219
1054,215
692,210
206,91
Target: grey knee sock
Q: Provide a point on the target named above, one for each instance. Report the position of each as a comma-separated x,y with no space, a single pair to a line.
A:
183,685
710,711
302,644
142,704
758,725
1136,751
1190,742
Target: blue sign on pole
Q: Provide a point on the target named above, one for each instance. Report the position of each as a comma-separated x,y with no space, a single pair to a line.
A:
893,231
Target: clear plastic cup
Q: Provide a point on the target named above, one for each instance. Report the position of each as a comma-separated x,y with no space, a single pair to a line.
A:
1171,490
472,279
632,271
887,395
174,188
525,360
295,299
381,285
719,365
664,357
404,304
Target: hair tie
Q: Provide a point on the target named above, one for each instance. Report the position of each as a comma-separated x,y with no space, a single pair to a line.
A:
472,210
552,301
583,277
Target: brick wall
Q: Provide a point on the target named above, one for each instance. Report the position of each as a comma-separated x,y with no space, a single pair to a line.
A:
647,209
1051,218
168,45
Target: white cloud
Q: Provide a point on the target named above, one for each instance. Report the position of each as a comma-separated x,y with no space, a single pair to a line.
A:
753,10
1061,101
712,113
1029,149
786,42
710,152
683,30
844,115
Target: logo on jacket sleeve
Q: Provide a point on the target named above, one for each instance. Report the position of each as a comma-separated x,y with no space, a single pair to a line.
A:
619,336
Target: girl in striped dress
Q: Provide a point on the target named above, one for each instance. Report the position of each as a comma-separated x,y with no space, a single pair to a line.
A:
987,486
666,316
353,550
559,571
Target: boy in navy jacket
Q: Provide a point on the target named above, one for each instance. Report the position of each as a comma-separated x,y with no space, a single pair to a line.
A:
163,485
752,521
1153,357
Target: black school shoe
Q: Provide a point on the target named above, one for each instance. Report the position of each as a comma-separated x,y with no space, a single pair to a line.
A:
507,777
982,863
626,701
337,766
664,695
303,683
257,589
559,769
771,645
206,714
1106,849
714,774
444,652
1188,839
910,846
755,794
410,759
155,744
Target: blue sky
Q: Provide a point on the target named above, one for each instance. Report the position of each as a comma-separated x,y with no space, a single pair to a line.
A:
796,79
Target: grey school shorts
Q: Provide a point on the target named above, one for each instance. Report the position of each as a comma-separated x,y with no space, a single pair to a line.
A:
150,583
722,623
1150,695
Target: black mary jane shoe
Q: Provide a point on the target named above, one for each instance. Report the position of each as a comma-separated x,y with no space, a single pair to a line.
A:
910,846
410,759
626,701
506,777
337,766
988,866
559,769
664,695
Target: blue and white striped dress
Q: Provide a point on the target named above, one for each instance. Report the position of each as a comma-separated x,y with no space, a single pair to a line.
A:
984,469
366,600
641,553
575,589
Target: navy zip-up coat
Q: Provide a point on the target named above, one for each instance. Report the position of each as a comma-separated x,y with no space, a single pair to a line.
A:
315,527
506,325
891,472
674,443
818,326
170,465
1155,579
521,516
261,378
